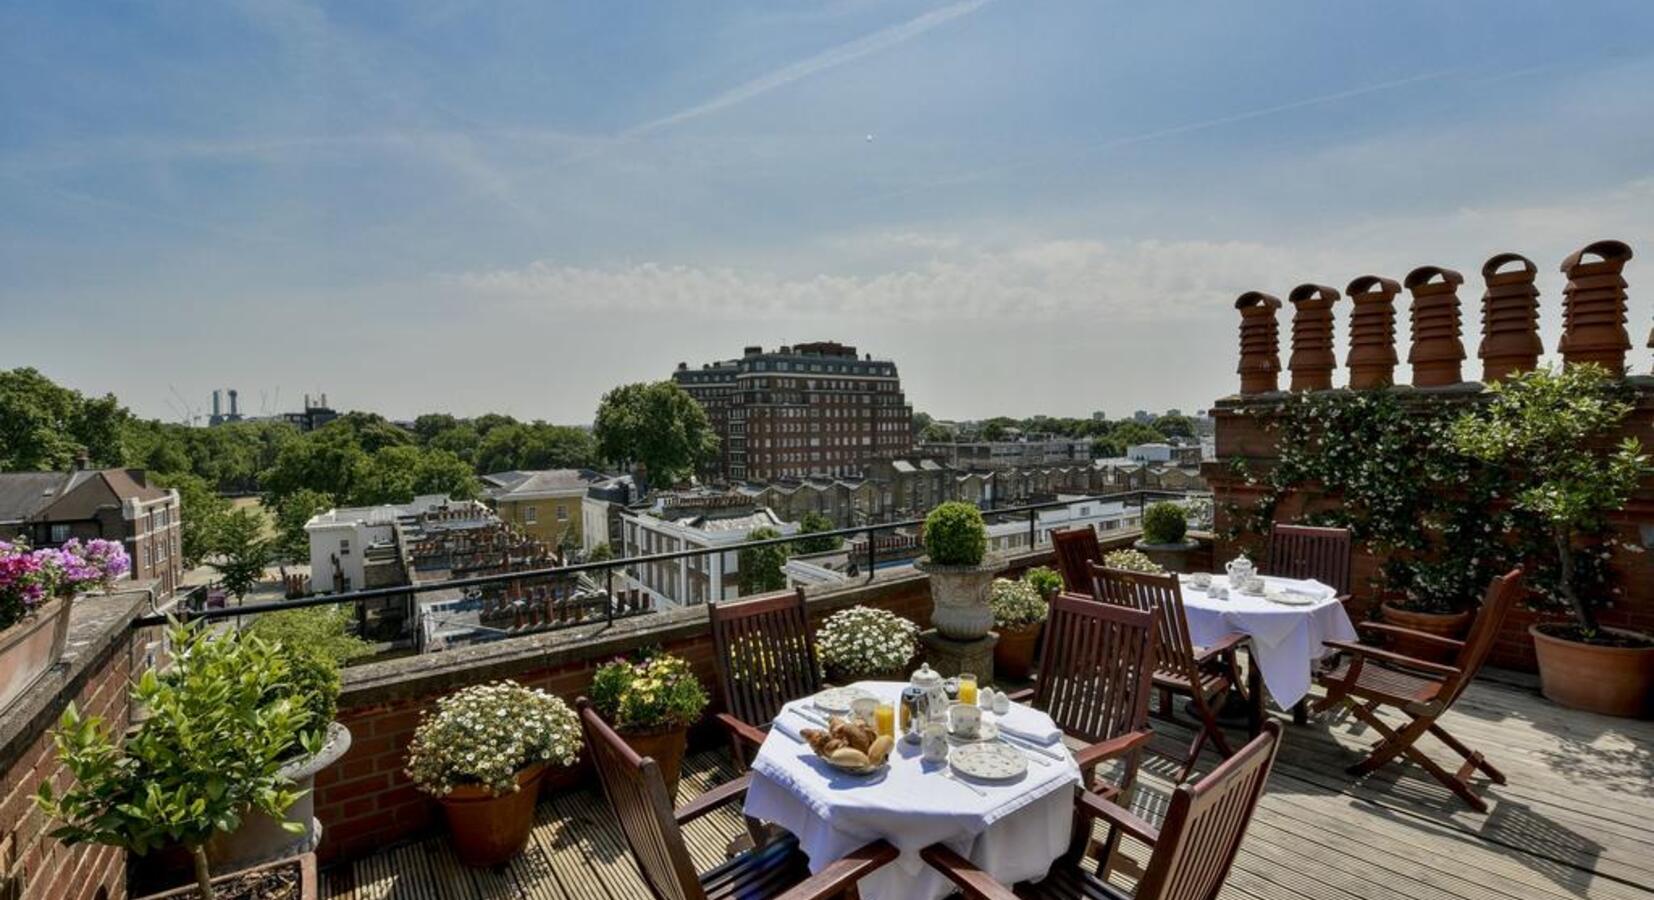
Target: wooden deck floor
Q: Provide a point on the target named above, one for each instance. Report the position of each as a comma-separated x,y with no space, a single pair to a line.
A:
1576,820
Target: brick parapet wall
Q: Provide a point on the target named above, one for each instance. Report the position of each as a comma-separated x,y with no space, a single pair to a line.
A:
1242,434
102,655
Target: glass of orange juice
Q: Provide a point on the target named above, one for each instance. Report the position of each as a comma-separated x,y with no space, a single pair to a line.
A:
884,720
967,688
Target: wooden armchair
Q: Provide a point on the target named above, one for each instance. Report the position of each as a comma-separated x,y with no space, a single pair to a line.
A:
764,657
1076,549
1368,678
1192,851
653,832
1205,675
1305,551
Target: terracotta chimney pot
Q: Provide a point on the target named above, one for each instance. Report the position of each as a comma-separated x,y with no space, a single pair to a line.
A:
1510,318
1312,358
1260,342
1372,359
1593,306
1437,351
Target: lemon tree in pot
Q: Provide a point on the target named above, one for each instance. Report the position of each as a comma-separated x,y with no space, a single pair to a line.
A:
1019,614
482,753
651,703
222,720
1551,430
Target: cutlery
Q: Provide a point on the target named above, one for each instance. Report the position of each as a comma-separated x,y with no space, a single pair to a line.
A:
1025,744
948,773
1033,758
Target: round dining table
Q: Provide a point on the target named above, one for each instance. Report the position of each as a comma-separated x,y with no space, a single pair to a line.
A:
1012,830
1287,639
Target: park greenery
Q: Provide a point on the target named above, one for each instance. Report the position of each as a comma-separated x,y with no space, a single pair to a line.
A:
1108,438
657,426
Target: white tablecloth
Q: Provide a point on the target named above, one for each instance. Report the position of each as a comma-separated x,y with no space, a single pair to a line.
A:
1286,640
1014,833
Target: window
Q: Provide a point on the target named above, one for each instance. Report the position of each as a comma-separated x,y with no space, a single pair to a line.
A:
562,513
531,514
60,533
344,547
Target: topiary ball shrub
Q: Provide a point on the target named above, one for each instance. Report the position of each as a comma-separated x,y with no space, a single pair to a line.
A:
955,535
1164,523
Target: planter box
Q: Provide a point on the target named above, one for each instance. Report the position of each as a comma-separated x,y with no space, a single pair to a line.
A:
31,647
304,883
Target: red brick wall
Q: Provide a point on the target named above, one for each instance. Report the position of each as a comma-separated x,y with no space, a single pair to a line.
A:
48,870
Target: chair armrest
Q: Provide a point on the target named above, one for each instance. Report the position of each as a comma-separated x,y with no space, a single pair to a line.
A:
843,873
708,801
1090,755
1365,652
741,730
1227,645
1388,630
1026,695
975,883
1097,808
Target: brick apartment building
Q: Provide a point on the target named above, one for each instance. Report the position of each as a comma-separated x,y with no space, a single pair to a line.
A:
805,410
49,508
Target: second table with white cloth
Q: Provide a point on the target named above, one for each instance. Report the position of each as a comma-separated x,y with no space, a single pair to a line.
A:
1286,640
1013,830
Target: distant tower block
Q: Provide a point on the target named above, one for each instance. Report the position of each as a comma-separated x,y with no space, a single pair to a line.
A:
1510,318
1437,352
1593,307
1260,343
1372,359
1312,358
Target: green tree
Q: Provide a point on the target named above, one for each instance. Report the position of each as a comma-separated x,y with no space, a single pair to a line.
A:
601,553
935,433
295,509
242,550
1128,432
462,440
996,429
760,567
1106,448
429,425
658,425
1175,426
202,513
811,523
44,426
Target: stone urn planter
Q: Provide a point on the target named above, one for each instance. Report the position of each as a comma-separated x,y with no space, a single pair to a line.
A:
1448,625
261,838
1172,557
959,597
286,879
1014,654
1612,680
666,746
31,646
489,830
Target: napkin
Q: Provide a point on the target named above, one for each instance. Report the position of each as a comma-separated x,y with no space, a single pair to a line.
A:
1021,722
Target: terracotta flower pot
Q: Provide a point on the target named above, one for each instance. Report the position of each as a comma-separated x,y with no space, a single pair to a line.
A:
1447,625
489,830
32,646
1614,681
1014,654
666,746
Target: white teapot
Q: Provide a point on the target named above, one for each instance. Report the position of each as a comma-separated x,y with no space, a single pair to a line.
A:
1239,570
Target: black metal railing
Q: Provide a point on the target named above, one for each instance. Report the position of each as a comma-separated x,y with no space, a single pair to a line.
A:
608,567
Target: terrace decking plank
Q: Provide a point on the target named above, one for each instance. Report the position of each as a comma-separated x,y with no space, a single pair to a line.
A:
1576,820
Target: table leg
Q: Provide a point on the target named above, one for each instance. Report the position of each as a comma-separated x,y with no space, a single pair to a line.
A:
1254,686
1300,712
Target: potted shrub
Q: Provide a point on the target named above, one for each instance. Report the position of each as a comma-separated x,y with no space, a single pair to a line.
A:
651,703
211,751
1019,613
482,754
37,590
1439,598
866,644
1550,430
1046,580
1133,561
956,546
1165,526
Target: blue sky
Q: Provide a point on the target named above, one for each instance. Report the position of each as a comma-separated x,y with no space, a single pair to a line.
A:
1031,206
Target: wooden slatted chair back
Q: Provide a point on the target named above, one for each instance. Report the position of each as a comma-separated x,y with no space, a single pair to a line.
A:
1098,668
763,653
1205,824
1501,595
1305,551
1174,652
1076,549
637,793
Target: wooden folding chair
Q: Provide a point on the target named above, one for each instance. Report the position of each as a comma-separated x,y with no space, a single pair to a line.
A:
1076,549
765,658
1307,551
653,831
1193,849
1369,678
1206,675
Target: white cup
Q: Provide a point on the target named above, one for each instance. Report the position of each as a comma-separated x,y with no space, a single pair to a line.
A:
1201,580
966,720
934,743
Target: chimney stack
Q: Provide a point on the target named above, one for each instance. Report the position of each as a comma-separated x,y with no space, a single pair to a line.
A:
215,404
233,406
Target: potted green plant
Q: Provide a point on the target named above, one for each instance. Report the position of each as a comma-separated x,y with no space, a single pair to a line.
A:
1552,431
956,559
1019,614
1046,580
37,591
1436,597
1132,561
1164,540
211,752
863,643
483,753
651,703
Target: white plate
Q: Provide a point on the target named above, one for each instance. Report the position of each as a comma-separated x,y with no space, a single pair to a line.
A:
838,700
988,762
988,732
1291,598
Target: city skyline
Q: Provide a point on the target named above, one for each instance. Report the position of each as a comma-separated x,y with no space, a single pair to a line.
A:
542,204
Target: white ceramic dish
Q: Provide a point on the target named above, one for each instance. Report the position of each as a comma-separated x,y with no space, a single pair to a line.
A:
837,700
988,762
